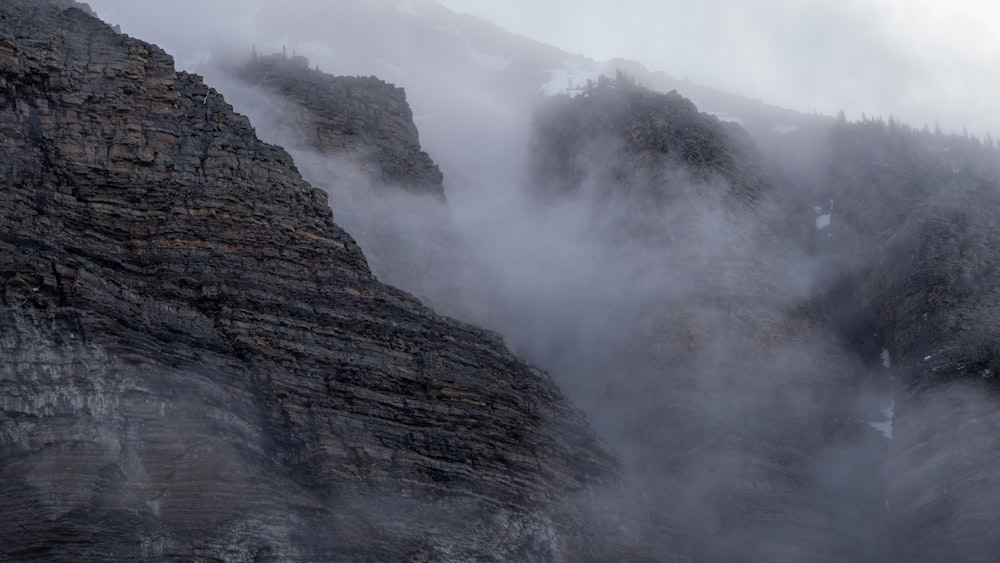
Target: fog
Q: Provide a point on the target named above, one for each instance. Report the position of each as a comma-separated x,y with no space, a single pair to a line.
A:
712,337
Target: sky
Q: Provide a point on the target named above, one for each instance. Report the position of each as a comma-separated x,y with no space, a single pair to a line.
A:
923,61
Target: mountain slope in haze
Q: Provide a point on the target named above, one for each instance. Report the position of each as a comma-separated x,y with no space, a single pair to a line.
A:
726,386
920,207
366,118
773,277
463,75
196,362
354,137
744,383
655,134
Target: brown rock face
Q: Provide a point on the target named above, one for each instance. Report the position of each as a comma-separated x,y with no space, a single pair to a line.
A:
195,362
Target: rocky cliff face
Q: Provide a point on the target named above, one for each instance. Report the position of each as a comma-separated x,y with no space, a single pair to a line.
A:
196,363
654,137
919,208
364,117
746,388
355,138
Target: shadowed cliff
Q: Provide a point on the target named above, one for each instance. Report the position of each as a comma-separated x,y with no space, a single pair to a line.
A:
920,208
355,138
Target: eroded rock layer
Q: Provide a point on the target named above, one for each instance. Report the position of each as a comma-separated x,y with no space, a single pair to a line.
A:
355,138
196,363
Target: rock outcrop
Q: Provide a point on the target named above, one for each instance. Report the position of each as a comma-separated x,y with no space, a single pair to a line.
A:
355,138
365,117
195,362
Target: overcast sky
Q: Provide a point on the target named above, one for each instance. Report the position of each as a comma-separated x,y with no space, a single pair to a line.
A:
921,60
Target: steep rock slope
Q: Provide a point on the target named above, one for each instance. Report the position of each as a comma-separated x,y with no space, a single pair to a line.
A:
363,116
719,373
920,208
196,363
355,138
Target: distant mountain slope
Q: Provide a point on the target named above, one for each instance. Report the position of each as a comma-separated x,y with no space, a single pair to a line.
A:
921,209
355,138
656,136
784,324
715,368
463,76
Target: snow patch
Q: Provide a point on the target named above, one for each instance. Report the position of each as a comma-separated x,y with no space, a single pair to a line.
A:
886,362
449,29
885,427
823,221
492,62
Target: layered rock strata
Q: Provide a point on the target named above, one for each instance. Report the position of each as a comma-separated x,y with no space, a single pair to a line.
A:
363,116
195,362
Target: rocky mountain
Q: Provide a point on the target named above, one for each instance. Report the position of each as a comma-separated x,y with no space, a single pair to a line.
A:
366,118
655,135
918,206
197,363
355,138
729,387
780,327
463,76
764,341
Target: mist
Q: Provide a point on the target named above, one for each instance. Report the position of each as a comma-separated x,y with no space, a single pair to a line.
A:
642,315
715,339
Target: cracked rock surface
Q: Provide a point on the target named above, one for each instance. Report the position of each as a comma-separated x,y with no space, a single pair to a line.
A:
196,363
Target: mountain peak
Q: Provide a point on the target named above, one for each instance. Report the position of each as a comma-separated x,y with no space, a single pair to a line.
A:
196,362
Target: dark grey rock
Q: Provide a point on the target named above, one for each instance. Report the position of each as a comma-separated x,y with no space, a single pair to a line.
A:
196,364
